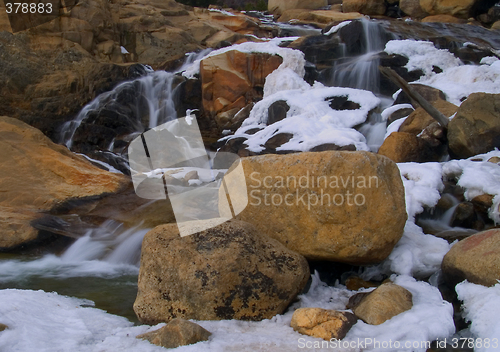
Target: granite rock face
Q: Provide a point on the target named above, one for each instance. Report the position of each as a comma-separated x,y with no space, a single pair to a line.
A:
227,272
334,205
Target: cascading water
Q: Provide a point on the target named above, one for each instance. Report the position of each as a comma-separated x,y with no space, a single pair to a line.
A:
145,102
101,266
361,71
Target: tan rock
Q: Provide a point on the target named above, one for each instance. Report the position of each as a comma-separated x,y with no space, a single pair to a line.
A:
429,93
279,6
412,8
444,19
401,147
3,327
495,26
178,332
201,30
476,126
229,80
281,187
237,23
38,175
319,17
227,272
221,36
494,160
366,7
384,303
476,259
483,202
322,323
419,120
458,8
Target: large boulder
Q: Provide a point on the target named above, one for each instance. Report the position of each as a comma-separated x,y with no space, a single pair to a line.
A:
227,272
37,176
333,205
476,259
475,129
232,80
280,6
458,8
366,7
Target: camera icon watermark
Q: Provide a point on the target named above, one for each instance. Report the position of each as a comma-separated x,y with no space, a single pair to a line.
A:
170,161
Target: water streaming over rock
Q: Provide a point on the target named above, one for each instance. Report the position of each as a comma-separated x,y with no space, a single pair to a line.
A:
131,106
359,68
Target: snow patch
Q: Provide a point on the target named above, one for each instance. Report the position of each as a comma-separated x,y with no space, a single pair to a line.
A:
310,119
481,306
336,28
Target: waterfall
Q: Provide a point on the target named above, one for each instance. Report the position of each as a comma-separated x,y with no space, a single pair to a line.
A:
147,101
361,71
106,251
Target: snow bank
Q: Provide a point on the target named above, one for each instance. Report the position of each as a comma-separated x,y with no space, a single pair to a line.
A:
310,119
47,322
64,324
457,80
422,55
416,254
481,307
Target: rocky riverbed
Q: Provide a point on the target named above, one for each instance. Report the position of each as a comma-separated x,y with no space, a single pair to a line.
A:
367,211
